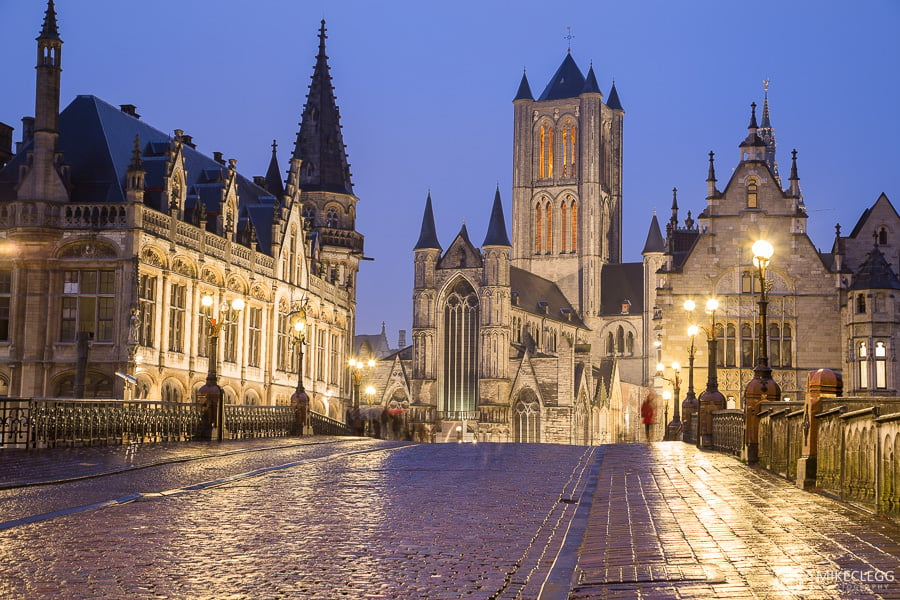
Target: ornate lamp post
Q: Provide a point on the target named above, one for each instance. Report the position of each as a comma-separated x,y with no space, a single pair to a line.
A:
356,367
211,397
689,407
762,387
673,430
299,399
711,399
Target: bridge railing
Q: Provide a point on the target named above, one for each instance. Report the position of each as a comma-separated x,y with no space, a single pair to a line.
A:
728,430
47,423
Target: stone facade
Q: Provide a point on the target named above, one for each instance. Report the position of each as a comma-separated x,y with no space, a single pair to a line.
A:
105,262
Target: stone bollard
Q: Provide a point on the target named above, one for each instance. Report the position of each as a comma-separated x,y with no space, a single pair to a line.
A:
819,384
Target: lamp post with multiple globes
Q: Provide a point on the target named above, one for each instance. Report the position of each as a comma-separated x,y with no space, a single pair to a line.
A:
711,399
299,399
211,396
673,430
690,405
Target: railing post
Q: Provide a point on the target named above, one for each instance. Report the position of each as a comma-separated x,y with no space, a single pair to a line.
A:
823,382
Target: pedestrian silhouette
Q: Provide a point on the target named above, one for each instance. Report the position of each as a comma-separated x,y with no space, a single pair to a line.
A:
647,416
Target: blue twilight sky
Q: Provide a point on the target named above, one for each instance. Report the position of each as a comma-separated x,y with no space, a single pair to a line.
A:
425,91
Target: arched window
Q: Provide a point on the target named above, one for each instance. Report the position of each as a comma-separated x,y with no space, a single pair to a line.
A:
527,419
549,210
568,141
787,354
882,236
730,341
460,361
880,365
574,212
862,355
332,218
563,224
610,343
620,340
746,345
309,213
752,200
546,152
861,304
774,345
538,228
629,343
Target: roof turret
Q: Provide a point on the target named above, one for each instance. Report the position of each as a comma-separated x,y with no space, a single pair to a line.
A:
50,30
496,233
590,83
613,100
428,235
274,183
524,91
654,241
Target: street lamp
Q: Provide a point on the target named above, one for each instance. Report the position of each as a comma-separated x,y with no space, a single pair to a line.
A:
299,399
689,407
356,367
674,427
711,399
211,396
762,387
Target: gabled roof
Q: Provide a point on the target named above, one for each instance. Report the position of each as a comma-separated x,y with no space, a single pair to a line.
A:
882,199
496,233
875,273
540,296
461,254
567,82
320,143
97,141
620,283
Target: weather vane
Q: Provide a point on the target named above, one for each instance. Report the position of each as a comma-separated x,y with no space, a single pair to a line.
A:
569,37
766,85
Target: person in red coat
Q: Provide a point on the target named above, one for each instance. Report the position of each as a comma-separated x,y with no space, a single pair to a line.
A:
647,416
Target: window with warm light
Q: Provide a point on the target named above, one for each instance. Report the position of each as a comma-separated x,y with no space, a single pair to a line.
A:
752,191
538,228
862,355
546,152
548,210
177,299
254,335
562,227
574,217
147,310
880,365
88,304
568,142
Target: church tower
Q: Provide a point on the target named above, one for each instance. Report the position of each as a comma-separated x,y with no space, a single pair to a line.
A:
329,205
567,183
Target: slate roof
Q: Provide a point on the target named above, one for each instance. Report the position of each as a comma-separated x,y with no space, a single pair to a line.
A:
620,282
524,91
613,100
590,83
97,140
532,289
496,233
654,241
875,273
428,233
567,82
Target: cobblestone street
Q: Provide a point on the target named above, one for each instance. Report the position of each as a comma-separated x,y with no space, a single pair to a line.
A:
369,519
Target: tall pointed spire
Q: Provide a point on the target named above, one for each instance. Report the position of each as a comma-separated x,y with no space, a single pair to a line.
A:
673,221
50,29
496,233
795,179
613,100
320,143
767,133
428,235
274,183
590,83
654,241
711,176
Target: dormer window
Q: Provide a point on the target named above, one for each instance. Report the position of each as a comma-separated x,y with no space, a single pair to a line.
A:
626,306
752,192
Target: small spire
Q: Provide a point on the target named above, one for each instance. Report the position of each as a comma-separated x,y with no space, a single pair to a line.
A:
753,124
590,82
50,28
496,233
613,101
428,234
136,162
654,241
794,179
765,115
274,184
322,38
711,176
673,221
524,91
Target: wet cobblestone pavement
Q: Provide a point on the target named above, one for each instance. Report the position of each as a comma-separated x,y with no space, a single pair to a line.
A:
361,518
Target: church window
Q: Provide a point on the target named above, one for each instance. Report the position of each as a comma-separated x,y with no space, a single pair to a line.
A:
538,228
629,344
527,419
863,355
620,340
562,227
546,148
460,361
574,212
861,304
752,192
549,211
610,343
309,213
332,219
730,340
568,140
746,345
882,236
880,365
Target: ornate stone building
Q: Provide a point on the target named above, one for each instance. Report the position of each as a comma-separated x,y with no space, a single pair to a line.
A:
112,232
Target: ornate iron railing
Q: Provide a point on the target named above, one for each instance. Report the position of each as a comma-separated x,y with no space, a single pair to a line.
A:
323,425
728,430
257,421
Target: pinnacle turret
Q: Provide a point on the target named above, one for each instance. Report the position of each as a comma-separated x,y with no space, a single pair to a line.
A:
496,233
428,235
274,182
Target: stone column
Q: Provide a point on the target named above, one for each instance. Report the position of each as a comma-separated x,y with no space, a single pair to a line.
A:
819,384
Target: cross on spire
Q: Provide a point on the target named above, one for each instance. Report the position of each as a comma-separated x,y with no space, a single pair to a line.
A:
569,37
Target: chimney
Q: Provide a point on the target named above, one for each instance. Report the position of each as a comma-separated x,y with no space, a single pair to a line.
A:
5,144
217,156
27,133
130,109
402,340
260,180
188,140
